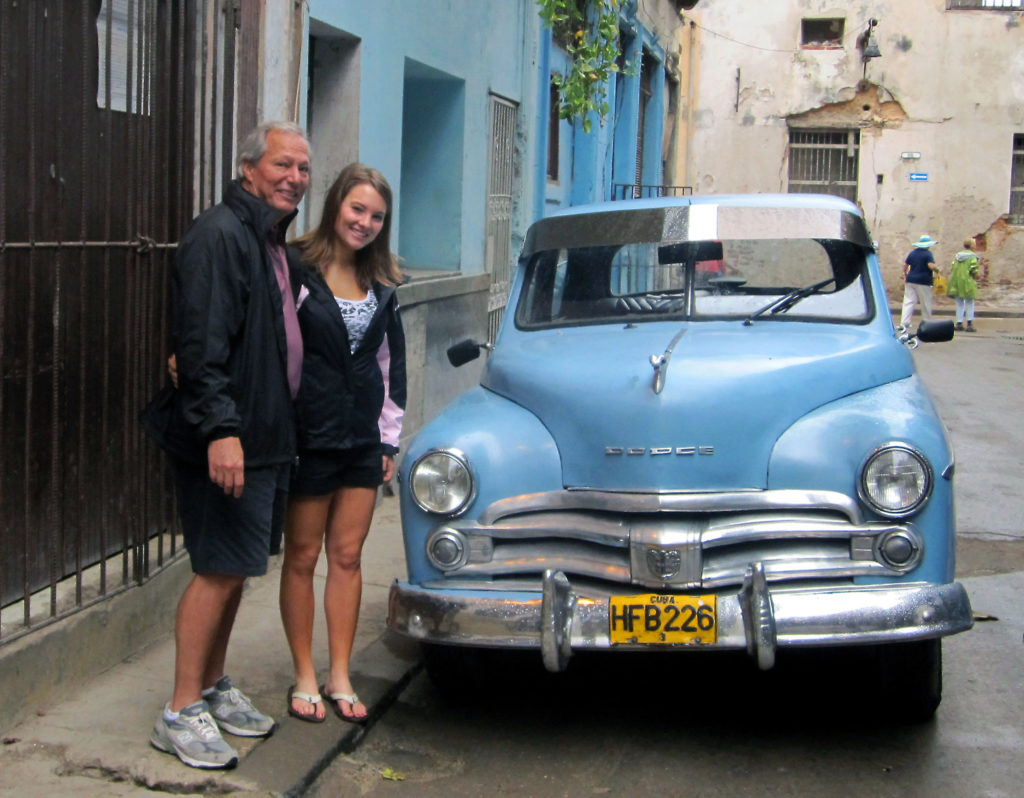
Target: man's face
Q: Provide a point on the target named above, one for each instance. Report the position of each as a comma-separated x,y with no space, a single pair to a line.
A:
281,176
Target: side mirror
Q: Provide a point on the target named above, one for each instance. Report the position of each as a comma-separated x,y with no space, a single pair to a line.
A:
935,331
464,351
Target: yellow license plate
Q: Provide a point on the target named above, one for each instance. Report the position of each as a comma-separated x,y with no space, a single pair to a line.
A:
663,619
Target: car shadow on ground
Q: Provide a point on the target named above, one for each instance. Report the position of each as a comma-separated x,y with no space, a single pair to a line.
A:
825,689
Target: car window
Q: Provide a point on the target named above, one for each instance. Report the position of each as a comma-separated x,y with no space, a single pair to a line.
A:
694,279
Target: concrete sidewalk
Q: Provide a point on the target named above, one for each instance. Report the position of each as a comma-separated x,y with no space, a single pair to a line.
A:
96,741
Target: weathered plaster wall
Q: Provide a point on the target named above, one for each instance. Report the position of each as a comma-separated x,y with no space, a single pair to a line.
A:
948,84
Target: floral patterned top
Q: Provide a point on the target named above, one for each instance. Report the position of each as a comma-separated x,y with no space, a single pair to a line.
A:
357,314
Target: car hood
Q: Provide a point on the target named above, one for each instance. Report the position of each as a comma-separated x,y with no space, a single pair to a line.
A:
730,391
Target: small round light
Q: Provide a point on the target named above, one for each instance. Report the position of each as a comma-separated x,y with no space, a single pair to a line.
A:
441,482
899,549
896,481
447,549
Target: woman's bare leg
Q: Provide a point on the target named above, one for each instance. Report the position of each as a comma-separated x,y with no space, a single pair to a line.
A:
304,535
348,523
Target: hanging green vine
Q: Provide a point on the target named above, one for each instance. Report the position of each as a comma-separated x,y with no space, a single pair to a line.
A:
589,31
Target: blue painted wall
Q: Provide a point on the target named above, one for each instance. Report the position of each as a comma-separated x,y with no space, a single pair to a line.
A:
406,51
415,54
591,163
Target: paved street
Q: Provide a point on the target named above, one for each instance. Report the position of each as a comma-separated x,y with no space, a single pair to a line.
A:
716,727
976,383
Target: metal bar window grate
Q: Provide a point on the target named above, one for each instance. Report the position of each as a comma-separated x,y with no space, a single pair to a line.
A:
984,5
824,162
500,184
1017,181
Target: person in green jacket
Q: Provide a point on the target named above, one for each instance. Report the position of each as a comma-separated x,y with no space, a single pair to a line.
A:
963,286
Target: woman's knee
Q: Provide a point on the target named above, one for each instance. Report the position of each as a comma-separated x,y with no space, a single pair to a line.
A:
346,557
301,557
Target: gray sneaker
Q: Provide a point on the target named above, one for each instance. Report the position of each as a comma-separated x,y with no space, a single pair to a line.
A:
234,712
194,738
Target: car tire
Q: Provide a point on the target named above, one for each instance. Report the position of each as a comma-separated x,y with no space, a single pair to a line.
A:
910,676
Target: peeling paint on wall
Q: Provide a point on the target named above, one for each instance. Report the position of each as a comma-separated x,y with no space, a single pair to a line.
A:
1000,252
866,108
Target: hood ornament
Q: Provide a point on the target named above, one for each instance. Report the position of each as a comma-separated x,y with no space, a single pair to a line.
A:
660,362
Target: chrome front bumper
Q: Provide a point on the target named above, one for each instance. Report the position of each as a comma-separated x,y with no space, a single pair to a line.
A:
757,618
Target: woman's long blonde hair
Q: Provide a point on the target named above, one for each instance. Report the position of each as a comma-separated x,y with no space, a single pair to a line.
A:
320,246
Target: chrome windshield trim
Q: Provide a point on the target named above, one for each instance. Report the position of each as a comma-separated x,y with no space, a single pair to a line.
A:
731,502
700,222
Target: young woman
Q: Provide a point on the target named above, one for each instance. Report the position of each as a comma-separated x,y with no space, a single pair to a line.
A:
350,409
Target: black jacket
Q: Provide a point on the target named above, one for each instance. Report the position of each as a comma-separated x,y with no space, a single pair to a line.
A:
229,337
349,399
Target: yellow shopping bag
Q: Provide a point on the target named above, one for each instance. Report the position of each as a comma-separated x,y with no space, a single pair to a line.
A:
940,284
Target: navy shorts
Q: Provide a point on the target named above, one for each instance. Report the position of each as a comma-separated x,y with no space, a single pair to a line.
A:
320,473
225,535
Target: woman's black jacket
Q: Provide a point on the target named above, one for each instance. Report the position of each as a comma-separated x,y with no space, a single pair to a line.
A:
349,399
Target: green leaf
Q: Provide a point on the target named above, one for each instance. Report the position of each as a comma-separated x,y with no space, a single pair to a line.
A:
392,775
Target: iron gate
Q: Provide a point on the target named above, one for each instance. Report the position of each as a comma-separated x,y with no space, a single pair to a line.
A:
99,157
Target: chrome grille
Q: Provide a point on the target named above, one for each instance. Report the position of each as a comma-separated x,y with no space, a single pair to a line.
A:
673,541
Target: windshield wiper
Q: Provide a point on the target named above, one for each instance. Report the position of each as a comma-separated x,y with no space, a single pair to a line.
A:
784,303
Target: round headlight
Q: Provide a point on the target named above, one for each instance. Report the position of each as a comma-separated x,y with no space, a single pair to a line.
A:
441,482
896,481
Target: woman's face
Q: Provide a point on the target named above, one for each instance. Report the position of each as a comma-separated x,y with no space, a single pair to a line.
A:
361,216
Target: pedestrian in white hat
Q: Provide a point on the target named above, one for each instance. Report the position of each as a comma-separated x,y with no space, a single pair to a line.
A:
919,271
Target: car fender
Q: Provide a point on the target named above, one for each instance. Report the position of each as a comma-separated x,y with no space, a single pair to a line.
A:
507,449
826,448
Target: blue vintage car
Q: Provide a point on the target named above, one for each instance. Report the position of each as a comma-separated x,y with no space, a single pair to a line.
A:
697,428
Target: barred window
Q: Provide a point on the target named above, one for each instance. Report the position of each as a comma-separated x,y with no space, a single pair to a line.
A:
1017,181
824,162
986,5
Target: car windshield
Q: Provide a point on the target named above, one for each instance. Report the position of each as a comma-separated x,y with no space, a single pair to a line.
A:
731,279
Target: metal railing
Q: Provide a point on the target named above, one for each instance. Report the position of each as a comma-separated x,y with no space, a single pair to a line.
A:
626,191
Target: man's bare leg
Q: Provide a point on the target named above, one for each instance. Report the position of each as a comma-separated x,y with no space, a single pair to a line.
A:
206,614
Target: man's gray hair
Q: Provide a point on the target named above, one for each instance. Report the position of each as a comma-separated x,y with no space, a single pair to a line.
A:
252,147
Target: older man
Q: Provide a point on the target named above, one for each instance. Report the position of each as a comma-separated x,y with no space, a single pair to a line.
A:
230,427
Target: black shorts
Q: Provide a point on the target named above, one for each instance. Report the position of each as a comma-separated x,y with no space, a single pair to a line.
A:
320,473
225,535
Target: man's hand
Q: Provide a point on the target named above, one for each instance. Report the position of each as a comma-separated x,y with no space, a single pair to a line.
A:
227,465
172,369
389,467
